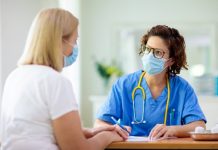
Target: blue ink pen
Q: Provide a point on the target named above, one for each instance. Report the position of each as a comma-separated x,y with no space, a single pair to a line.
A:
116,122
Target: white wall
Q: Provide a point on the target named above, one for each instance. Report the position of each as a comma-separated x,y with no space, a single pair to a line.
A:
100,19
209,107
16,18
16,21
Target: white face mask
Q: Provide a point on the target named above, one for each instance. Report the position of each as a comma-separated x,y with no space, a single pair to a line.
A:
69,60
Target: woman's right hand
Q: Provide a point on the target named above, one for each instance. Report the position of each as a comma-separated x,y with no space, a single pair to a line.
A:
117,128
124,134
114,136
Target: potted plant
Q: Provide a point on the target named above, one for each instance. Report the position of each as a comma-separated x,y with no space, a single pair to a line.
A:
107,72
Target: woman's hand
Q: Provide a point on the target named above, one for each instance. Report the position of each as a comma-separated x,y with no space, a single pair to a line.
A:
92,132
124,134
162,131
118,129
114,136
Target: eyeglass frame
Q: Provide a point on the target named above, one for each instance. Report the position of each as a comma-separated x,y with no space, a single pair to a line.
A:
144,47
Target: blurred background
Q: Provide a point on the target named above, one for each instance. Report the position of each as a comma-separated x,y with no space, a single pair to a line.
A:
109,39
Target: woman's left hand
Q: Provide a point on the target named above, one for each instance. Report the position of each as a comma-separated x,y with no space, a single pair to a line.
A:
162,131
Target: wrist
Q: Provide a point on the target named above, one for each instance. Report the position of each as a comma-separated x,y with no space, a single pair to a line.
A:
107,135
175,130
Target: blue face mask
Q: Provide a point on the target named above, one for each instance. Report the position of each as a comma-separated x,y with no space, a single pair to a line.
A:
69,60
153,65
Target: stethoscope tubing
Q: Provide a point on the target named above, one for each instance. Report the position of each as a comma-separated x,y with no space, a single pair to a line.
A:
139,87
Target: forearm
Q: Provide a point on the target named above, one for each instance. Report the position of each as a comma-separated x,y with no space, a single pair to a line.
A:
69,134
183,130
99,123
97,142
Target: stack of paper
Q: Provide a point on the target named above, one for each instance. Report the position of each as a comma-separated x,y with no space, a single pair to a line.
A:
146,139
138,138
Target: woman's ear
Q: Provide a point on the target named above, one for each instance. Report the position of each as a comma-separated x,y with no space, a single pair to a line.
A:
169,62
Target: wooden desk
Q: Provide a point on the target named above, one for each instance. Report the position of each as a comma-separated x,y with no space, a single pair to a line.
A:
180,143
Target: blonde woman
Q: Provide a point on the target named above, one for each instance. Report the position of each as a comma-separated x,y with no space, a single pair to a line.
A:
39,110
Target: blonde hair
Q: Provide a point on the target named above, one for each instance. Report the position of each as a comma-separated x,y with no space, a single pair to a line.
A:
44,42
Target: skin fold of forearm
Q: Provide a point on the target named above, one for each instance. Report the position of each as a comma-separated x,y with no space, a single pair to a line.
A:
99,141
87,132
183,131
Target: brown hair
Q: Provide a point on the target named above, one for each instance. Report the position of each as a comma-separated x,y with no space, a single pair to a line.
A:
175,43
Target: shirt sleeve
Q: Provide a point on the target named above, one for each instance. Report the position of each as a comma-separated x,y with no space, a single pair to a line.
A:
62,98
192,111
112,106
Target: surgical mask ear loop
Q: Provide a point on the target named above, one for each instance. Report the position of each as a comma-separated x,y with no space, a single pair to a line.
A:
69,60
170,62
69,43
165,60
75,45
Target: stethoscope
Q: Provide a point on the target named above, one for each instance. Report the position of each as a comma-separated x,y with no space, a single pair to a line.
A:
139,87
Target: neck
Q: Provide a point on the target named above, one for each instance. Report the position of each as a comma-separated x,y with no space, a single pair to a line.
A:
156,80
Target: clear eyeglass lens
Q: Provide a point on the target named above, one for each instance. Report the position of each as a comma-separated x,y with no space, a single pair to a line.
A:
147,50
158,53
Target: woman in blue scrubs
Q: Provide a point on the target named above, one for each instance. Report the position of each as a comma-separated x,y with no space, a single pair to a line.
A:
155,101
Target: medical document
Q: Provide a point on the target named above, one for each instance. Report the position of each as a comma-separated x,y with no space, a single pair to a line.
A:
145,139
138,138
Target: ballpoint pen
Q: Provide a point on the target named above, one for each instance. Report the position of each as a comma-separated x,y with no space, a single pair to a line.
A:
116,122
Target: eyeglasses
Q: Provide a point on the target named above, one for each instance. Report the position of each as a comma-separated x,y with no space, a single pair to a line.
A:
158,53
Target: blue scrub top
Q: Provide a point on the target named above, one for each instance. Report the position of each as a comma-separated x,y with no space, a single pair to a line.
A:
183,101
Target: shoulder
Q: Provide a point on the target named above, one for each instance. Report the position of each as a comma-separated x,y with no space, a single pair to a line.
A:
180,82
39,74
55,78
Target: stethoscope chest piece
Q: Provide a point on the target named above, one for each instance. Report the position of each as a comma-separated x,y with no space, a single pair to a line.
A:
135,122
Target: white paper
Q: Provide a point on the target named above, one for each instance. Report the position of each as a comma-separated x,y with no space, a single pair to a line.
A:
138,138
146,139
